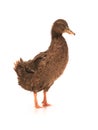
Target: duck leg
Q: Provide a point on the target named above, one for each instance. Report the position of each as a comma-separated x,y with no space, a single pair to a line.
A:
44,102
35,101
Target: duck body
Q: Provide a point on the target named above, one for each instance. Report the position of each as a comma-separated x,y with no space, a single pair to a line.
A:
41,72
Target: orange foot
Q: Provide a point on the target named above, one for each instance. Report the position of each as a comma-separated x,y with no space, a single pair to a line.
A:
45,104
37,106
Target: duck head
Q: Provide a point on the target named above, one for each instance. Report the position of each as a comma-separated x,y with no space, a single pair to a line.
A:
59,27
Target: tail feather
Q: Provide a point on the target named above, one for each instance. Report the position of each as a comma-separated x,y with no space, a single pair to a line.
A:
23,75
20,67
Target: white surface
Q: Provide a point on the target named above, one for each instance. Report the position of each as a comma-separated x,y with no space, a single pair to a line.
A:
24,32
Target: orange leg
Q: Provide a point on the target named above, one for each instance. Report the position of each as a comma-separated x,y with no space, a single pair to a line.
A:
45,100
35,101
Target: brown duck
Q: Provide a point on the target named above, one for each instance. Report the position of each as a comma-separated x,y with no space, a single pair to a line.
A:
41,72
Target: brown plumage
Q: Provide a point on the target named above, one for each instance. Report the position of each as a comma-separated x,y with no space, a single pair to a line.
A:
41,72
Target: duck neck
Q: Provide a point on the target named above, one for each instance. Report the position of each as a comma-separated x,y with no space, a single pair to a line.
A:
57,38
55,35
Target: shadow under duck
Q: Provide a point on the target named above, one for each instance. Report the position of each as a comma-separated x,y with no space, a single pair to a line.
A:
41,72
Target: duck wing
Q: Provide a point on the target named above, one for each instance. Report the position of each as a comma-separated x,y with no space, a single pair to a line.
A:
32,65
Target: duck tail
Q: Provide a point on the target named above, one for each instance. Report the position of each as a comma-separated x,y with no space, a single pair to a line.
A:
19,67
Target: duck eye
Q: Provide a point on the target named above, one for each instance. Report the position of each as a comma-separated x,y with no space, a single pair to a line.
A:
67,27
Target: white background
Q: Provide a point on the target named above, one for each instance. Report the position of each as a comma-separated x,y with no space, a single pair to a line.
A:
25,31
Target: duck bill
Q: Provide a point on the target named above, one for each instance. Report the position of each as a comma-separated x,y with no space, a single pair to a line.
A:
69,31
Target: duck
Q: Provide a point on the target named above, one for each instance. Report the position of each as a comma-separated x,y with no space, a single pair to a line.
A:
38,74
